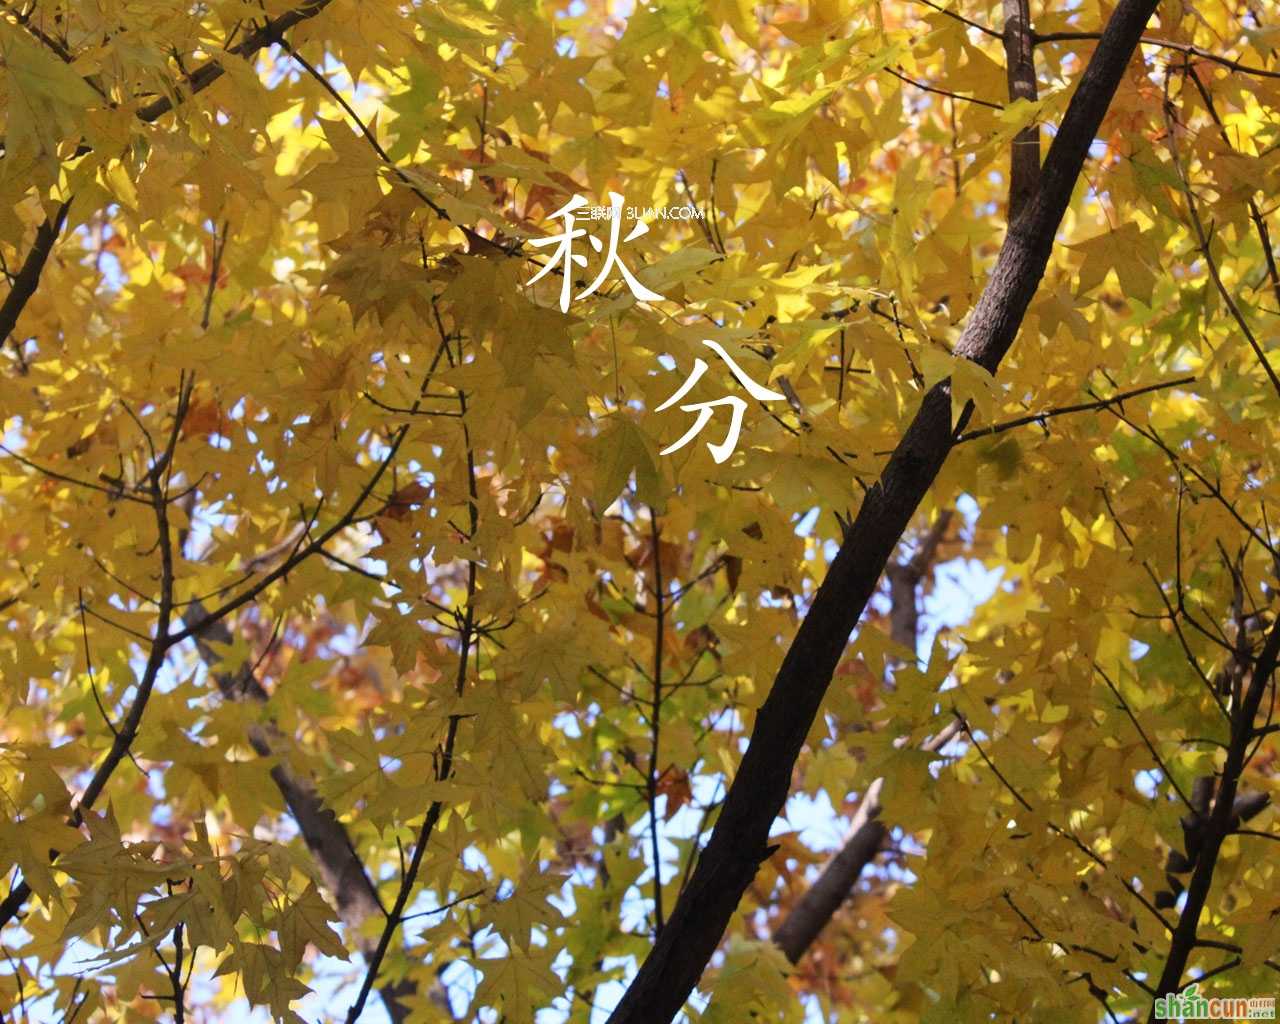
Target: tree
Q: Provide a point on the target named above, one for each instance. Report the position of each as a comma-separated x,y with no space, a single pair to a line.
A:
358,608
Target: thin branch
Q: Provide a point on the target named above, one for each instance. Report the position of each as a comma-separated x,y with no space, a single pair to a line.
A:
363,129
88,659
1065,410
1064,833
1167,44
301,554
1273,836
215,265
985,30
1164,770
444,906
942,92
1205,249
1213,489
467,636
329,556
118,493
140,637
1259,223
991,764
655,720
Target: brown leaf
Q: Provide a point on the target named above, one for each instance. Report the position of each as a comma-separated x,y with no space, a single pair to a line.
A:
405,499
674,784
204,417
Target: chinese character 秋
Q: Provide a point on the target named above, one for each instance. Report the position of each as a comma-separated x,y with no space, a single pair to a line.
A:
566,258
725,448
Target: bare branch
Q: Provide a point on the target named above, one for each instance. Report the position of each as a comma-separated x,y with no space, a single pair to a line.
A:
1167,44
1065,410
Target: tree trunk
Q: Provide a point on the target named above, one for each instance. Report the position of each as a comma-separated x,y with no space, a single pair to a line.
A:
739,841
341,869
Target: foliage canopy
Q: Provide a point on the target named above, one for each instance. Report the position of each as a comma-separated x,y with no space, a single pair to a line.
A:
355,636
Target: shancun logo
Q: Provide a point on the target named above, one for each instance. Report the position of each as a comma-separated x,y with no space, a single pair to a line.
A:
565,259
1189,1004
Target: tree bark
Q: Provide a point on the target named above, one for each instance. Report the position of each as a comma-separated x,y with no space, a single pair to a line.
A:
28,276
739,841
866,836
1221,819
1019,50
866,833
840,874
341,869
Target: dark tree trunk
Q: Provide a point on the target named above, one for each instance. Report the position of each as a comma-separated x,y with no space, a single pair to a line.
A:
740,840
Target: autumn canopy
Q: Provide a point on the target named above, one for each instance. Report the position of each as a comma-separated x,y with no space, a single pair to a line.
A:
371,647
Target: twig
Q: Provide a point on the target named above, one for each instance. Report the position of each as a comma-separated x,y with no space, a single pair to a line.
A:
1059,831
467,636
1203,239
1167,44
655,720
985,30
1259,223
215,265
362,128
444,906
1124,704
1040,417
943,92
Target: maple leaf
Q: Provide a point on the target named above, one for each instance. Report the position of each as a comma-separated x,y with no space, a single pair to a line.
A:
306,921
526,907
621,450
518,984
48,100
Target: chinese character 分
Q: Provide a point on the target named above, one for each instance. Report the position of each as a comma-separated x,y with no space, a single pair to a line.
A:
725,448
566,258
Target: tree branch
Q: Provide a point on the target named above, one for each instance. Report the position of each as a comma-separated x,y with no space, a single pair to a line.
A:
1184,176
1220,820
205,75
1024,156
1040,417
127,731
28,277
739,841
1259,223
1167,44
942,92
905,577
985,30
467,636
341,869
655,721
840,874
